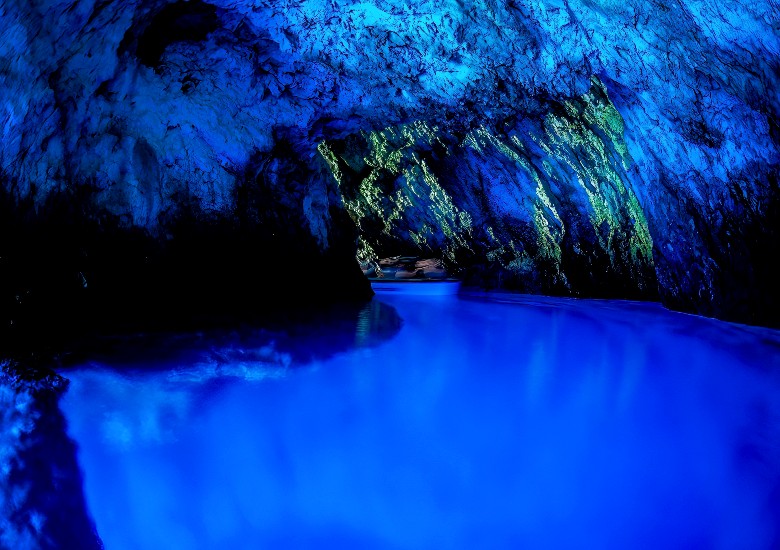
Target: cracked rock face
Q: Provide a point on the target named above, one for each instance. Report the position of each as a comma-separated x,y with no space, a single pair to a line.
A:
541,204
625,149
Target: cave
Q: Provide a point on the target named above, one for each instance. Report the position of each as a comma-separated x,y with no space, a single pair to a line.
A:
389,275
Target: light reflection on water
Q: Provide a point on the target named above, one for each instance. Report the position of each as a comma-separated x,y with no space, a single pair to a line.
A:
540,423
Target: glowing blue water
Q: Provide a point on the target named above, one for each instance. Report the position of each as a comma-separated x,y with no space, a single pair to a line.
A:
535,424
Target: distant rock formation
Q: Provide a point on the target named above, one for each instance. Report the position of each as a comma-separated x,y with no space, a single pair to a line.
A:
404,267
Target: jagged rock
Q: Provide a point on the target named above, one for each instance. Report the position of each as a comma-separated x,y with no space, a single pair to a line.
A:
41,498
538,206
639,122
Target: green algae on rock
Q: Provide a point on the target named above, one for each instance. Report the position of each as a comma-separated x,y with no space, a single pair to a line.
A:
540,206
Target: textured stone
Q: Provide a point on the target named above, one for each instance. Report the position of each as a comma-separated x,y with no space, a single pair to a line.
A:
576,132
533,205
41,497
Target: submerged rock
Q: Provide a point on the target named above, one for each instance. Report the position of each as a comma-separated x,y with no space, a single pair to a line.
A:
41,497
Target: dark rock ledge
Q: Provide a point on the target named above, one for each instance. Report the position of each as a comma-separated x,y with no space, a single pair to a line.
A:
41,498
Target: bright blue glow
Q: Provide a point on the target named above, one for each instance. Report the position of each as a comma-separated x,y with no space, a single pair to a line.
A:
536,423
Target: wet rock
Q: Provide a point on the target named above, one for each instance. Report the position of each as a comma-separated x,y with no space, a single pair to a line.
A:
538,207
557,142
405,267
41,497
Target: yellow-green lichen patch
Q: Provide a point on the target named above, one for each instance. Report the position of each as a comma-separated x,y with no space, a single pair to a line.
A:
540,204
402,191
365,253
600,112
521,264
389,148
332,160
547,239
575,144
420,237
491,234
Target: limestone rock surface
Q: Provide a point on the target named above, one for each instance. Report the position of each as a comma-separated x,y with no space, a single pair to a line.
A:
573,147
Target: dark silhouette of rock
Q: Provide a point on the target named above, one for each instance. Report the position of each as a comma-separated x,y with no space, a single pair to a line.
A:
41,496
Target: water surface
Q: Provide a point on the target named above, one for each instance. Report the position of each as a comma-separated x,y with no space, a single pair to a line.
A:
503,423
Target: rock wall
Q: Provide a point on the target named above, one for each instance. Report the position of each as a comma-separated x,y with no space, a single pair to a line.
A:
551,146
541,202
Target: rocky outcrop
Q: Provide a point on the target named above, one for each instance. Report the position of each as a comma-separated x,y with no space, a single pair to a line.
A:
570,147
41,497
541,203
